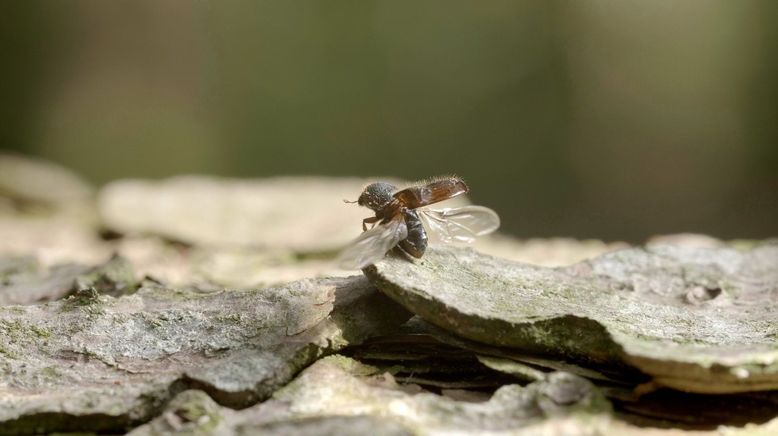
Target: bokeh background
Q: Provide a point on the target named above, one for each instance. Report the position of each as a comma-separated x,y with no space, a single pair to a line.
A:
606,119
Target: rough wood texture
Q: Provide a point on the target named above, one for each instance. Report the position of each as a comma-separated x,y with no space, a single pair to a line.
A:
187,300
699,320
116,361
352,395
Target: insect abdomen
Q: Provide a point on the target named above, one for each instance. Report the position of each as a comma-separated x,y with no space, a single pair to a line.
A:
416,242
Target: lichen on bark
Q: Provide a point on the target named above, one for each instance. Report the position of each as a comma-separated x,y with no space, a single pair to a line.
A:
116,361
699,320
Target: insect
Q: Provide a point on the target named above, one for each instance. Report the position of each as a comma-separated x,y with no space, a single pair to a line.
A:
402,219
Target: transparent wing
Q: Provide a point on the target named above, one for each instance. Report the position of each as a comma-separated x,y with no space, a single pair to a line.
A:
372,245
461,224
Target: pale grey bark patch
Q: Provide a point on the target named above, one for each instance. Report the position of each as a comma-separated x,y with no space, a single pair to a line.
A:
347,397
695,319
95,362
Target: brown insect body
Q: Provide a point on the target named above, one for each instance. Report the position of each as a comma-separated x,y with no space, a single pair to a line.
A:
416,242
401,219
388,204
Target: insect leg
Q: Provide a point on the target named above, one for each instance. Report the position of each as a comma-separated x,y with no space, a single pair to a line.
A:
370,220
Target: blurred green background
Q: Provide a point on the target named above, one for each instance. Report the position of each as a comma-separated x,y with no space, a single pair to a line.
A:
607,119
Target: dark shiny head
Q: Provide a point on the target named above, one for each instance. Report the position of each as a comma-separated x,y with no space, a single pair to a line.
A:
377,195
